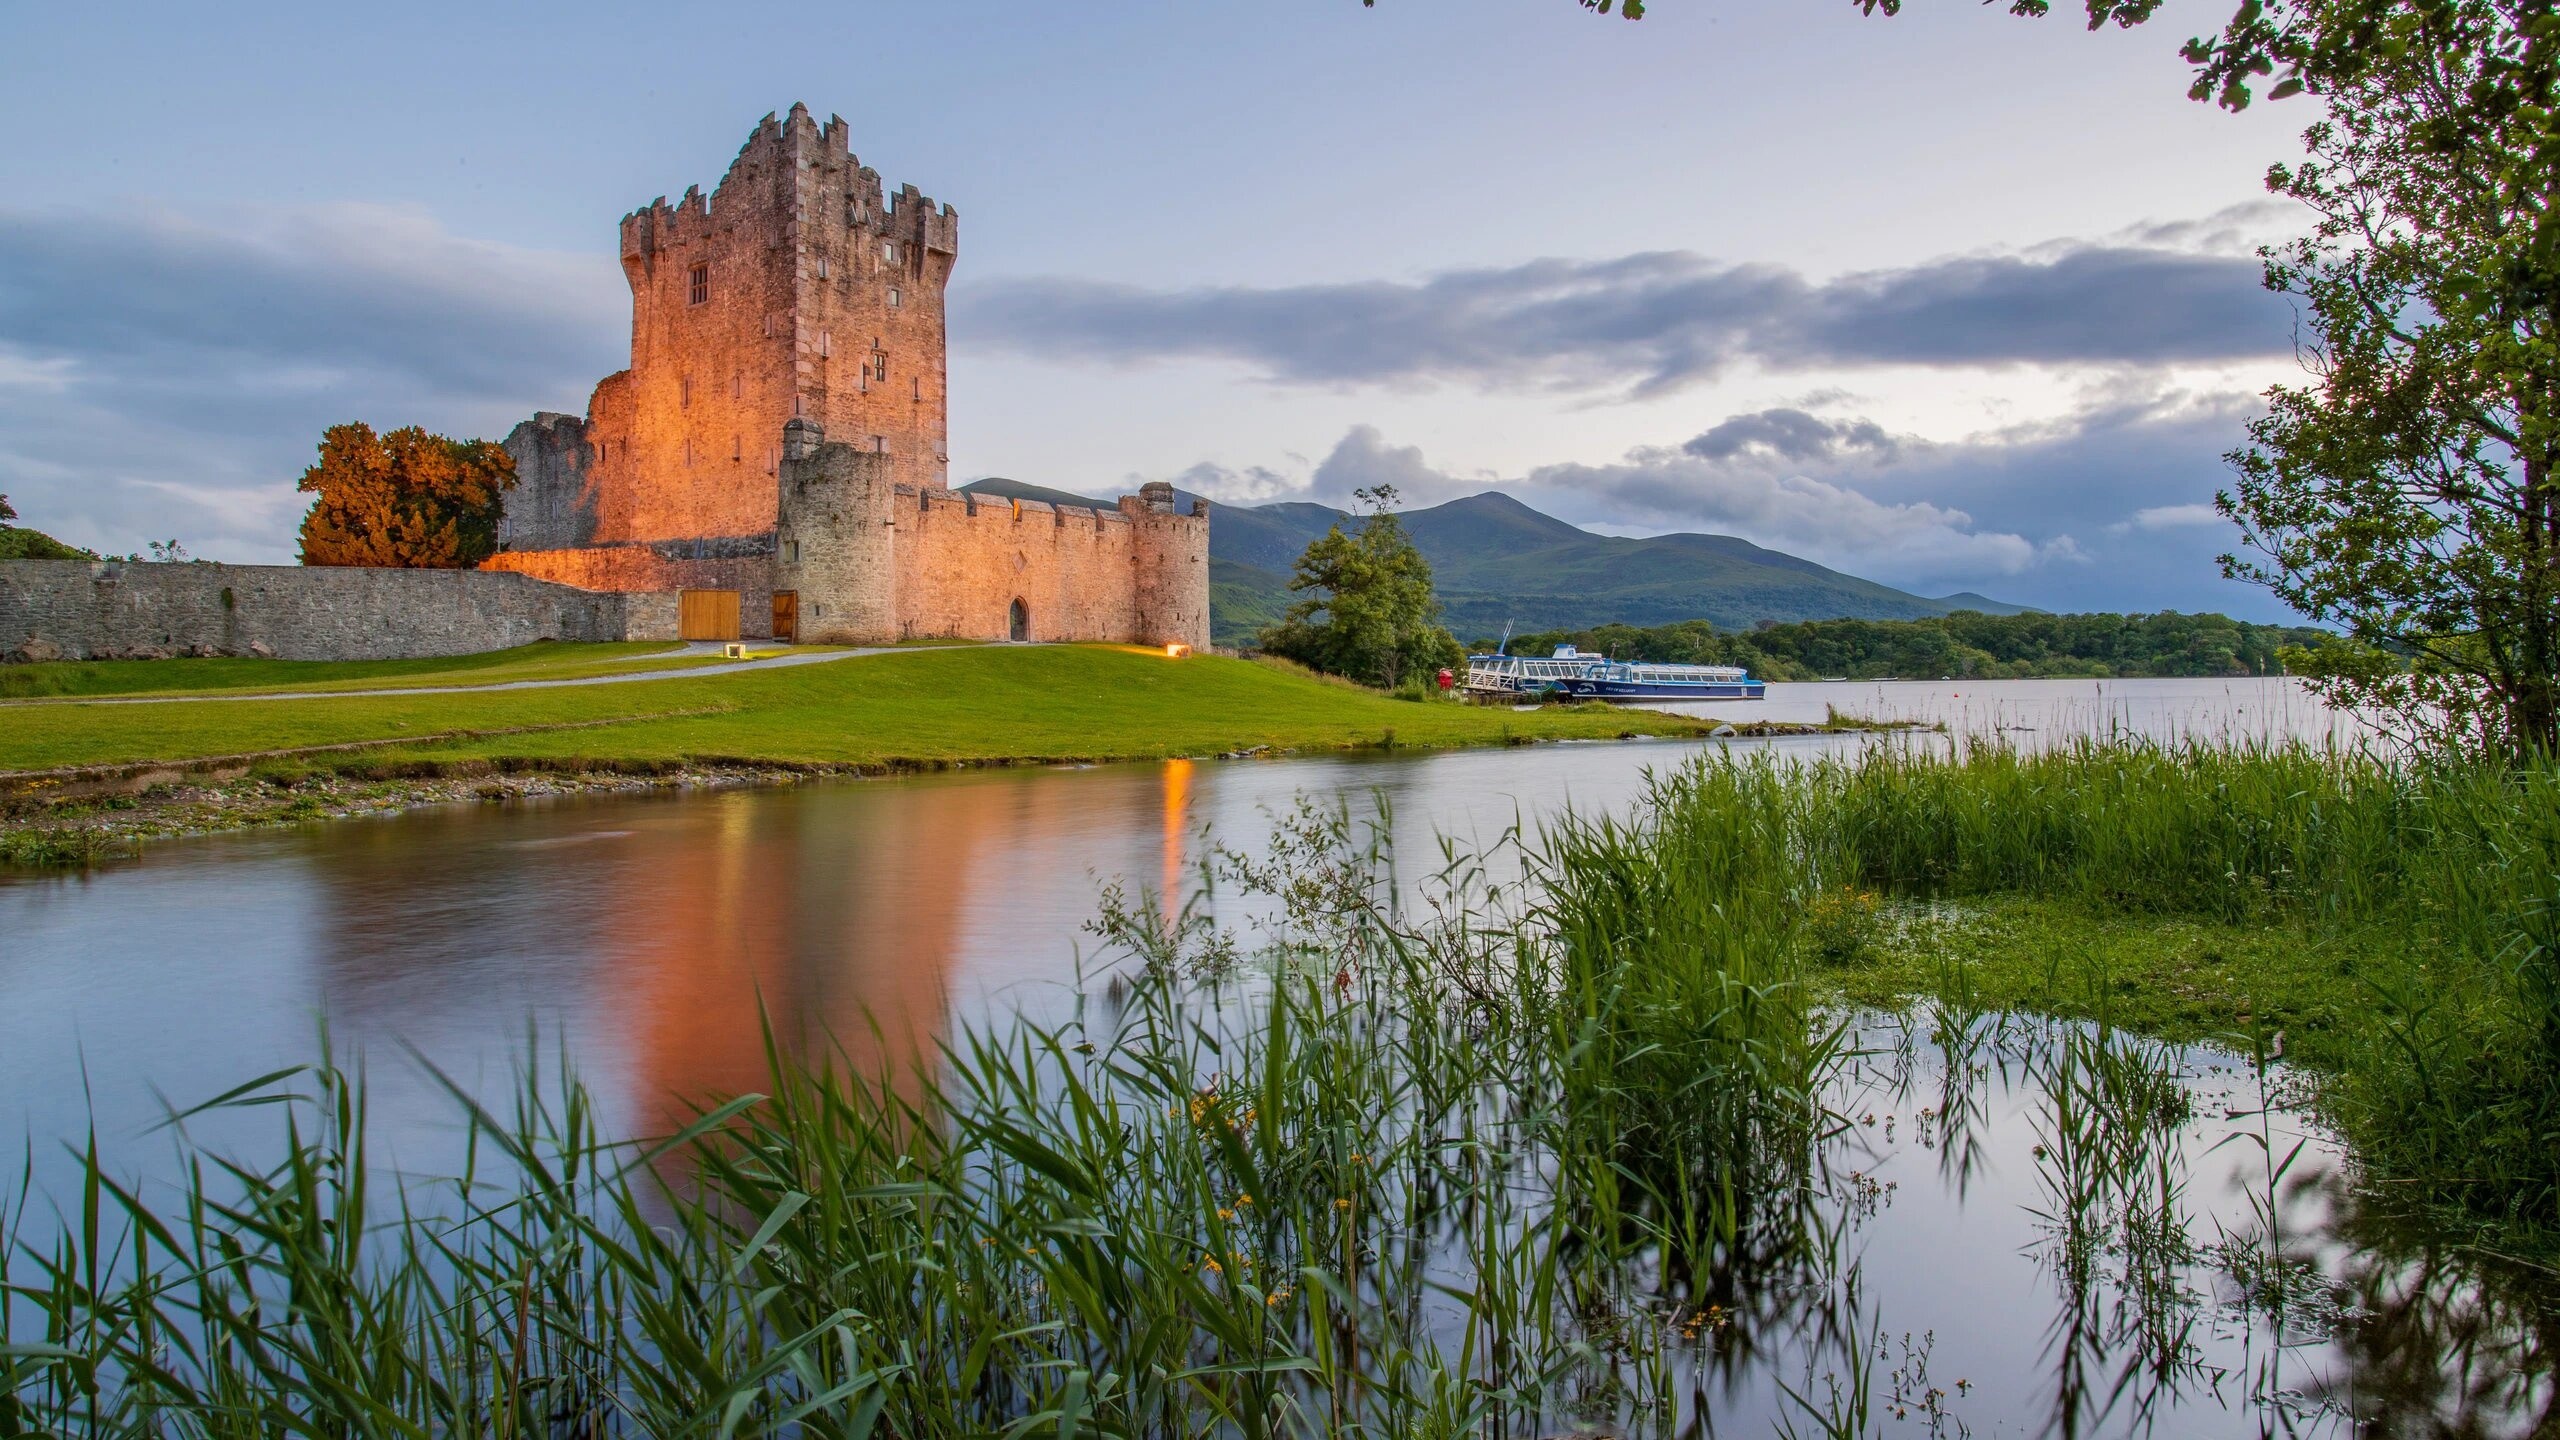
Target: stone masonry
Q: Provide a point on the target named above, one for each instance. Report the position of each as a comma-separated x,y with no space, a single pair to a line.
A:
81,609
798,289
800,292
871,560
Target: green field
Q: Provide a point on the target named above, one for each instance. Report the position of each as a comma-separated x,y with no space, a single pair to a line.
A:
921,706
546,660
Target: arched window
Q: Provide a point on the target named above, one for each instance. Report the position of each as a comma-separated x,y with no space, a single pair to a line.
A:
1021,626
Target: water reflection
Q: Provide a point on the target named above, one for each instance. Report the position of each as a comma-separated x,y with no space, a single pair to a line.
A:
830,917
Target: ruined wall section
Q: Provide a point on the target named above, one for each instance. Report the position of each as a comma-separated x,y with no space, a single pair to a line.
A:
85,609
554,502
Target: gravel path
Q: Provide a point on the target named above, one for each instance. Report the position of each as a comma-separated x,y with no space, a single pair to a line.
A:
783,661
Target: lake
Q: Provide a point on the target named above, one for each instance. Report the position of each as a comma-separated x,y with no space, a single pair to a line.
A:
649,937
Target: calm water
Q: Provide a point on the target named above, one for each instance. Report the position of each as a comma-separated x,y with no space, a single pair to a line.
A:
648,936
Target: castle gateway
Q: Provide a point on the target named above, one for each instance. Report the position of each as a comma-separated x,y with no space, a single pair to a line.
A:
782,433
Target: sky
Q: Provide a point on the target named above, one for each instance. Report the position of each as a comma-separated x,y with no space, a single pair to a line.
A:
1952,300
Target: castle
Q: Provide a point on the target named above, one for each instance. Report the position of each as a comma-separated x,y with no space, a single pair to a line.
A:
782,436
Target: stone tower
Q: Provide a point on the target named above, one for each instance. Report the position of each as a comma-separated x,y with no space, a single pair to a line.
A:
799,289
835,538
780,434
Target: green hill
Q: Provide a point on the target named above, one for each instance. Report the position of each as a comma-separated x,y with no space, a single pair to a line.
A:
1496,562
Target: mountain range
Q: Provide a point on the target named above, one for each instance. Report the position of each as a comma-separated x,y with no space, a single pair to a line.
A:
1497,562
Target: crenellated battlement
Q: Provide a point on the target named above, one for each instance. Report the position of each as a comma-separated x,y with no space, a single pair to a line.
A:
792,170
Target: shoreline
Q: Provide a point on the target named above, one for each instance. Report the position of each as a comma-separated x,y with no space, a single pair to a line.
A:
75,817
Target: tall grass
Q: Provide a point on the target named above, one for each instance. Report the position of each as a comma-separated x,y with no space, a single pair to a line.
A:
2450,869
1386,1189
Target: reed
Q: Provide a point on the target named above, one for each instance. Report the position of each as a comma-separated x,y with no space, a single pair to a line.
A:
1381,1189
2439,878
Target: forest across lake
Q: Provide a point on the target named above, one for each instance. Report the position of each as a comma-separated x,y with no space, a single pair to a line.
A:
1967,645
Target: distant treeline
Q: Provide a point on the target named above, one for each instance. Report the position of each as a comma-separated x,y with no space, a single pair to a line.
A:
1965,645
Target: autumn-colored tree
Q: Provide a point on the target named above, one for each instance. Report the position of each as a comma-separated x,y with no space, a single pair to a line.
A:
405,500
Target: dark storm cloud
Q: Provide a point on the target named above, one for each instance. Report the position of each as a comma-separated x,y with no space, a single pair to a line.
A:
1661,320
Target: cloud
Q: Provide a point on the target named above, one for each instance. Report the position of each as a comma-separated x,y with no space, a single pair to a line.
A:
1792,435
165,375
2104,508
1252,485
1672,487
2176,517
1659,321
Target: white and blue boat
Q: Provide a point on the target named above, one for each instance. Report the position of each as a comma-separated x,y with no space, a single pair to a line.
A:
1638,680
1528,676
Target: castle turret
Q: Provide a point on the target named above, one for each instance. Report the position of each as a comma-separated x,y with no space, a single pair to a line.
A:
1169,555
835,542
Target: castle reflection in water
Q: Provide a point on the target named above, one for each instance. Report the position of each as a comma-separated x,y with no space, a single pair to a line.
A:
664,941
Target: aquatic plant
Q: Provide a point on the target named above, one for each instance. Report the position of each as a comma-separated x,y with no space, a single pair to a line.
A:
1348,1198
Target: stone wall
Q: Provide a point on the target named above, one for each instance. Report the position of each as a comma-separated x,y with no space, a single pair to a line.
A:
92,609
740,563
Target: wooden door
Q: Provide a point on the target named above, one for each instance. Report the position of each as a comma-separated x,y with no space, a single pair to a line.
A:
707,614
786,614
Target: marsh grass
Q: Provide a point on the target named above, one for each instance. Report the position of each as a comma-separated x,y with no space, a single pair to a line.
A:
1416,1178
2437,878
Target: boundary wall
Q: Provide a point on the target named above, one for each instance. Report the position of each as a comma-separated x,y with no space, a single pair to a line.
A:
743,564
97,610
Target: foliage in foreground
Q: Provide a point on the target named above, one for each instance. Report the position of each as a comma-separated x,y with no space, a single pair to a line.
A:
2453,1090
2410,492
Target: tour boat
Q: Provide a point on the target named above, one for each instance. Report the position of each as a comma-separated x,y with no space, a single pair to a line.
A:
1637,680
1525,675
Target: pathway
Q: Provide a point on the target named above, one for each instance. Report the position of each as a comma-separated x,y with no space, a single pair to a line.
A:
783,661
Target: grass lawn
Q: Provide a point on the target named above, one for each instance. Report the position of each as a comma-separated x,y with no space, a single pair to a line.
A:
547,660
923,705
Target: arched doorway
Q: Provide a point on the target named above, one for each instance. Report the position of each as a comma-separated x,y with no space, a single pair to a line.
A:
1021,620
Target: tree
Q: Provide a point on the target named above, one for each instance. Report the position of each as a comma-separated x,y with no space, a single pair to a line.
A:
2408,493
8,512
1369,613
405,500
